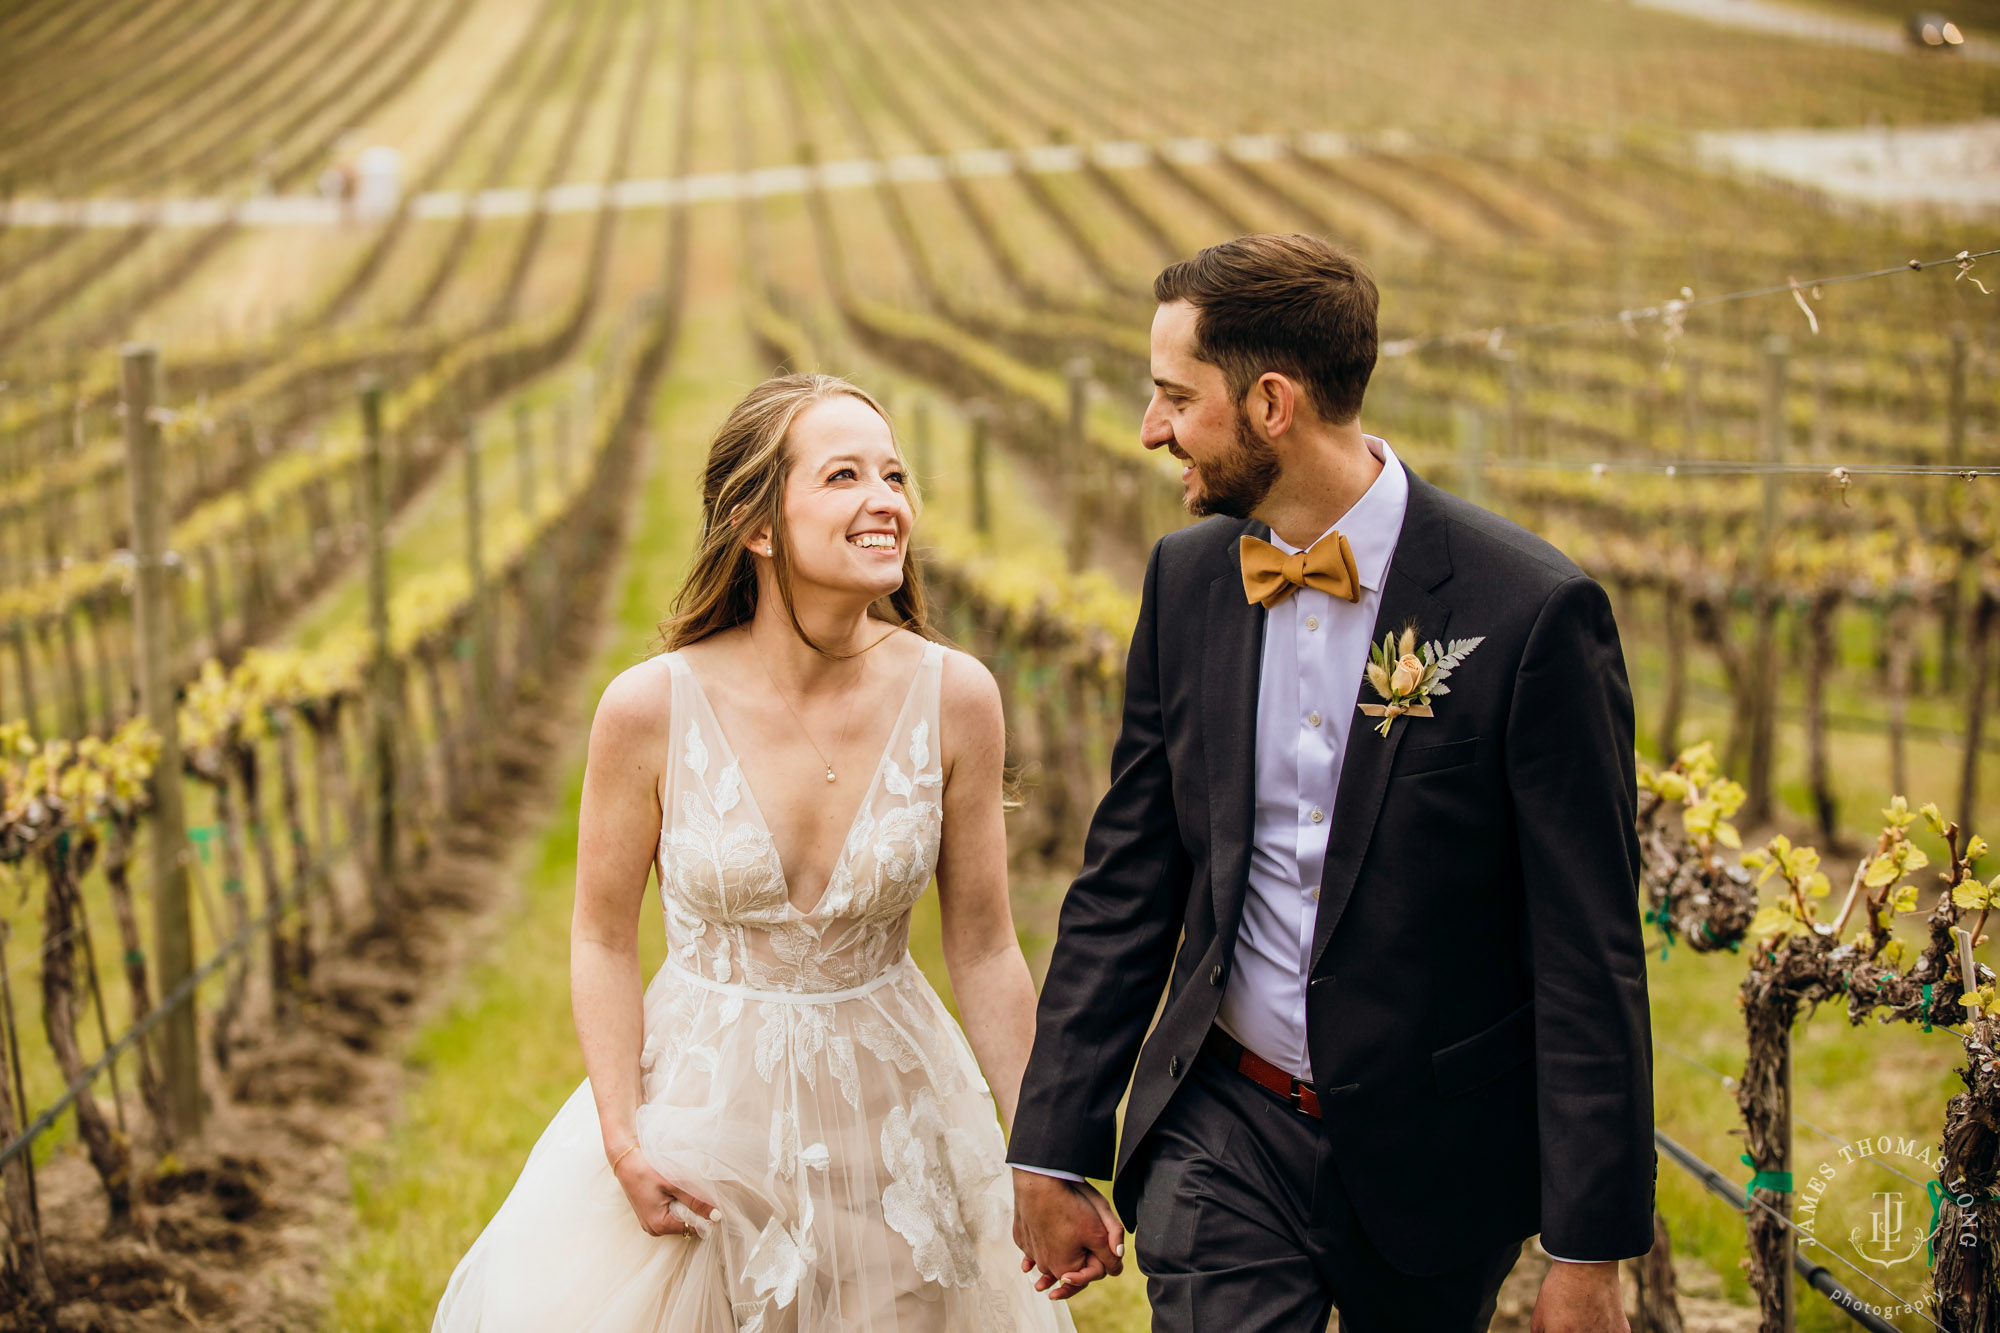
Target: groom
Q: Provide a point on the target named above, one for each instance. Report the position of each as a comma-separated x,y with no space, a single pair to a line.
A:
1405,1022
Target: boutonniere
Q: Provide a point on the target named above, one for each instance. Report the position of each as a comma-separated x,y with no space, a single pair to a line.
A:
1408,674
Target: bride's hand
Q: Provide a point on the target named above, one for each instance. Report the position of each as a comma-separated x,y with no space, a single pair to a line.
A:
662,1207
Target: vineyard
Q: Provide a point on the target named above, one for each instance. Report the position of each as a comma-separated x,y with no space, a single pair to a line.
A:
324,516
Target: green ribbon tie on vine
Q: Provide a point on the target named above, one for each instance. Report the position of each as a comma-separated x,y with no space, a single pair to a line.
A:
1930,1245
135,957
199,836
1926,1014
232,885
1937,1195
1658,917
1778,1182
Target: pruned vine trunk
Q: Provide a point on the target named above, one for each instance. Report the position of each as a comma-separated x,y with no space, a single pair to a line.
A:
1673,697
109,1155
1901,648
238,906
250,772
27,1267
295,830
1711,624
118,878
1967,1242
1659,1303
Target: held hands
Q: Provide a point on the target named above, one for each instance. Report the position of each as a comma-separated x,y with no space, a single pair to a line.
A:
1068,1231
662,1207
1580,1298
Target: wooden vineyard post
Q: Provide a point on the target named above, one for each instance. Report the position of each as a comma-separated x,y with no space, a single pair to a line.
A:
1472,453
31,714
982,501
1516,441
559,438
1075,475
1979,666
1954,418
1690,405
524,459
381,683
173,924
1763,657
1822,408
920,442
479,627
1951,609
257,591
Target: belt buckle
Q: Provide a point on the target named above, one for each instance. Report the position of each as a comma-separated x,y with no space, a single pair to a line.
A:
1297,1095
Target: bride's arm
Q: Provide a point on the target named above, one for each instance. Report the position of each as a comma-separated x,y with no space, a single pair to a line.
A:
618,831
996,996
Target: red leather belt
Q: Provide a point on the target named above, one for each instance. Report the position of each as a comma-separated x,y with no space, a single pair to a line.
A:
1261,1071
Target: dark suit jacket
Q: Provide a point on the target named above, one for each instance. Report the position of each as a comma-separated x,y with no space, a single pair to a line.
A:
1476,1010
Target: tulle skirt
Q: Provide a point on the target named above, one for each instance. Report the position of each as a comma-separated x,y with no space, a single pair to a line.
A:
848,1140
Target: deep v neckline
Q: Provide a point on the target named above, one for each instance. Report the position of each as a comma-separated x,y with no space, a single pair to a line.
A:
757,807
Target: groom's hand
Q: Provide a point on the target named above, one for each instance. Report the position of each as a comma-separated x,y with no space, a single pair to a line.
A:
1580,1298
1068,1231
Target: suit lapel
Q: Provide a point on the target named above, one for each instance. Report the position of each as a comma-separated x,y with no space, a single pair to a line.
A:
1232,662
1421,562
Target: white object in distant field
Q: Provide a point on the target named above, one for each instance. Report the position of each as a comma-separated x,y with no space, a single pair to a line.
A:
378,183
1955,168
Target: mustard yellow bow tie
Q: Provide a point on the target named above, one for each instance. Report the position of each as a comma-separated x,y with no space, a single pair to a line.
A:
1270,575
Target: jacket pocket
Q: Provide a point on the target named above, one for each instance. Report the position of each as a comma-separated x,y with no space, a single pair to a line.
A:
1430,758
1485,1056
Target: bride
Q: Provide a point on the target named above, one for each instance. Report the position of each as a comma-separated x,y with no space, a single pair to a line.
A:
784,1131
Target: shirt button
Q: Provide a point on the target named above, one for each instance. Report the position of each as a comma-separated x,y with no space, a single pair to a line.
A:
1312,719
1315,895
1312,622
1316,815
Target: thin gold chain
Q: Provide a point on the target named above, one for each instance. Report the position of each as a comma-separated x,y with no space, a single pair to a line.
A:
845,722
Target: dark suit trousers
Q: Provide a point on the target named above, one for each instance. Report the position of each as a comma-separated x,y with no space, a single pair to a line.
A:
1243,1225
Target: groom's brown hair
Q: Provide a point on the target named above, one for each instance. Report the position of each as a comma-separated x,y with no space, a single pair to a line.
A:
1290,304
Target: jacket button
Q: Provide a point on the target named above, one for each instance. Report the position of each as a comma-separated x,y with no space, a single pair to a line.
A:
1174,1067
1215,975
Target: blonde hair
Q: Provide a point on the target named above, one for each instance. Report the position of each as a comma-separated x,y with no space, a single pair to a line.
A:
742,489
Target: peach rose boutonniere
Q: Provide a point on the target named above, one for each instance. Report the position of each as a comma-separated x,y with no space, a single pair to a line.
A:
1408,674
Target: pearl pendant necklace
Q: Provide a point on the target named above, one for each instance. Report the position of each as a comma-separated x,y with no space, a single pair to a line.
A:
801,721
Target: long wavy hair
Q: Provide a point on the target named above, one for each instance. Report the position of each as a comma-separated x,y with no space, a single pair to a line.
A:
743,489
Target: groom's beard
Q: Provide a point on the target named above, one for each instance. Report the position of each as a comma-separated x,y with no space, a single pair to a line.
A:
1237,482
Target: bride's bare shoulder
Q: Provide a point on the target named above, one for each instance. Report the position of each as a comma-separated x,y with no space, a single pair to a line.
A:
970,698
634,710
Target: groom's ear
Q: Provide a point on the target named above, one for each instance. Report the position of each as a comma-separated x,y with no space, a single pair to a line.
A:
1273,405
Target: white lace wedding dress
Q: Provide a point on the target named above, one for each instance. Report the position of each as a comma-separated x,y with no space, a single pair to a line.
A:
800,1073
